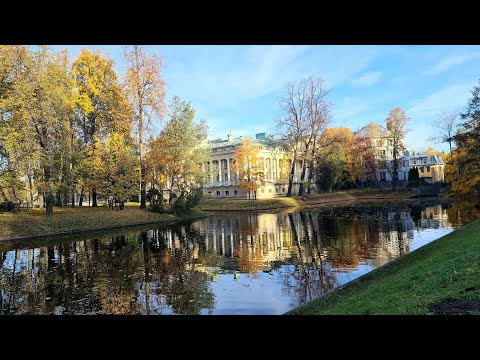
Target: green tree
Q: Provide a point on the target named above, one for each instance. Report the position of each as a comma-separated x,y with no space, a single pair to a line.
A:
119,178
178,152
413,175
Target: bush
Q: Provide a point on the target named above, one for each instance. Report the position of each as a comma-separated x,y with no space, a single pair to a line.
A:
157,202
187,201
7,206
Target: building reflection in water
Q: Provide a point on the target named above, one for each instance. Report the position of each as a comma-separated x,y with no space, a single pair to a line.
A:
184,269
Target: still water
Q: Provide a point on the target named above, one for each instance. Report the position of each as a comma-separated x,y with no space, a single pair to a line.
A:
230,263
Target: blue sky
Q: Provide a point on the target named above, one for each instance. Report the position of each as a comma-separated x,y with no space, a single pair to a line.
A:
237,88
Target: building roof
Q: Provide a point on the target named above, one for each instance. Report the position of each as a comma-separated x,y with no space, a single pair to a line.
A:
373,130
260,139
431,159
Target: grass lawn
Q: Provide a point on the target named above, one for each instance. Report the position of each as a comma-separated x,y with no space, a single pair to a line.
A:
35,222
442,277
209,204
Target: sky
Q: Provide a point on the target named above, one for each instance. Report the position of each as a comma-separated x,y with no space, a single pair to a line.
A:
237,88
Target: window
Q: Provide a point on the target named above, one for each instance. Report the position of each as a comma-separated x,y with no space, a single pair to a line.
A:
218,193
226,192
414,162
405,163
283,189
422,169
424,160
428,168
225,177
405,176
210,192
269,190
382,176
235,192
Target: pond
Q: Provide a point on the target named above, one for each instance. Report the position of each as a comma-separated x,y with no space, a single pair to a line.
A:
230,263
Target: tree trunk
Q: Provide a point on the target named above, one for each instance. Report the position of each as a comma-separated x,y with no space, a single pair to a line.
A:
395,173
94,197
80,201
73,196
49,198
310,177
301,189
30,183
290,178
143,190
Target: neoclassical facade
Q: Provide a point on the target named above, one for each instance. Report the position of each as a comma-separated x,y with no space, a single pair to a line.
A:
222,180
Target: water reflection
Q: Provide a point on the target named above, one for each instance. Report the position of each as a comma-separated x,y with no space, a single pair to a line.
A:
230,263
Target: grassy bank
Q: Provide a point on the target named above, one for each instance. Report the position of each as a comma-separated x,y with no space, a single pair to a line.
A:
442,277
34,222
294,201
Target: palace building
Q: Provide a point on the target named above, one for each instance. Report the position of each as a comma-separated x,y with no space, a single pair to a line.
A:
222,180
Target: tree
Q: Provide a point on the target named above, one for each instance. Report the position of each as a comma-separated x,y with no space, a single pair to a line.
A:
119,178
146,92
38,102
317,119
338,162
413,175
293,122
431,151
101,108
396,122
463,164
178,152
446,126
247,164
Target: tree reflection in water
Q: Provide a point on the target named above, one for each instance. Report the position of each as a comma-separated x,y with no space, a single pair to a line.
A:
188,269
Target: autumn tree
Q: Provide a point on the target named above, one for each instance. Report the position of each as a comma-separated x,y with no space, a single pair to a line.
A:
445,127
38,104
146,92
338,163
178,152
431,151
101,108
247,164
463,164
119,178
396,123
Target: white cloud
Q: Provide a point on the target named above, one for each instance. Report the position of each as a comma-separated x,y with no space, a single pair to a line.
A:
452,61
442,100
368,79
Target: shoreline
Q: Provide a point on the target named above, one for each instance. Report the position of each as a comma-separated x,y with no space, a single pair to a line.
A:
218,205
105,228
388,289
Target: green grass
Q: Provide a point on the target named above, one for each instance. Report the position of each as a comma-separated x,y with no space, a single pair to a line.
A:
209,204
448,268
35,222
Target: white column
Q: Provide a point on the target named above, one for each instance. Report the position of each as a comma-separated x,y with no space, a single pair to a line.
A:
220,170
210,168
265,167
228,169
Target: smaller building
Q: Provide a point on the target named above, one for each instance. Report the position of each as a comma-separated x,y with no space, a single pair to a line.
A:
430,167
